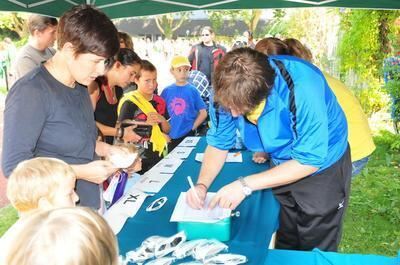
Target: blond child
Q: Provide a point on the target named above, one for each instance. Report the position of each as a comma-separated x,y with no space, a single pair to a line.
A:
41,183
65,236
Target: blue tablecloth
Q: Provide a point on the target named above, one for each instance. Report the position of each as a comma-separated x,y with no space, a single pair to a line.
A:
317,257
250,233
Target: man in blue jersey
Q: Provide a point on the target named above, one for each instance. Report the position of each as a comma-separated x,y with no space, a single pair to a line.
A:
281,105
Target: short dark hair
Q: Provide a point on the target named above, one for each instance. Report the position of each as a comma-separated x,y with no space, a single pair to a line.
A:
40,23
146,66
272,46
127,57
242,79
89,30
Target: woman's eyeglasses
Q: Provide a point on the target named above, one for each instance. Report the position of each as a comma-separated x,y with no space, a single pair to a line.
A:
205,35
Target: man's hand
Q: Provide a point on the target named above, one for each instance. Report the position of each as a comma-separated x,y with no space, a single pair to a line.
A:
193,200
229,196
260,157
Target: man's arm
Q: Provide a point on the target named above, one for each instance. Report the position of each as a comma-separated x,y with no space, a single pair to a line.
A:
213,161
231,195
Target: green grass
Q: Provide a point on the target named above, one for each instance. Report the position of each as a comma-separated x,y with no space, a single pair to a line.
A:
8,216
372,222
3,90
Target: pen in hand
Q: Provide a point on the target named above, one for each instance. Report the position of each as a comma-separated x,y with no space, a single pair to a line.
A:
193,188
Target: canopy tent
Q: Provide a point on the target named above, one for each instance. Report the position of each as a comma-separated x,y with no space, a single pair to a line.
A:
130,8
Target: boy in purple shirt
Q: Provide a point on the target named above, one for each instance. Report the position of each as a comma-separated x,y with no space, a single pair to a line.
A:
184,104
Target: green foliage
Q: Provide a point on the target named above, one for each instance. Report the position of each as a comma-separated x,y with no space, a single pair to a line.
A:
362,49
372,99
392,87
278,26
8,216
169,23
249,17
363,42
372,220
14,22
390,140
217,19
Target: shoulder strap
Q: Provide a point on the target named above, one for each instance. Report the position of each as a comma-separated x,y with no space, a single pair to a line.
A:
289,82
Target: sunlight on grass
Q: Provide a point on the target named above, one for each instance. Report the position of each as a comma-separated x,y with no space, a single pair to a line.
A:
8,216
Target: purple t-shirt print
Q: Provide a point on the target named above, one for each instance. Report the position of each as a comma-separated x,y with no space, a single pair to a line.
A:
178,106
184,104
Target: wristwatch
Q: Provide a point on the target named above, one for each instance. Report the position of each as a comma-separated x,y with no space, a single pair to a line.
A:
245,188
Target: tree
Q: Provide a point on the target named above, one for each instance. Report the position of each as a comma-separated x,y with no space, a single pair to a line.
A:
249,17
169,23
14,22
276,26
363,47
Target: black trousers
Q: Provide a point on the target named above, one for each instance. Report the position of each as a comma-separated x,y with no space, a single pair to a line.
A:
312,209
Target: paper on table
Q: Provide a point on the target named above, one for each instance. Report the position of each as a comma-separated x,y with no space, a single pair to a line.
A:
153,181
190,141
181,152
184,213
127,206
167,165
232,157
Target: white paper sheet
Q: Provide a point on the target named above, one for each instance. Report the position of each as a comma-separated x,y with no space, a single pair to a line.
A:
190,141
127,206
180,152
231,158
184,213
167,165
153,181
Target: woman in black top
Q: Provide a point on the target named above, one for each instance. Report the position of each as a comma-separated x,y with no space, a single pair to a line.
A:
106,91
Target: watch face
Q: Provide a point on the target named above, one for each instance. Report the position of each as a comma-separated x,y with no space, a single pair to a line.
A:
247,191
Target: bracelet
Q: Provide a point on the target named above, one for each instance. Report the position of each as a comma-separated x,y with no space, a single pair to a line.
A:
201,184
120,133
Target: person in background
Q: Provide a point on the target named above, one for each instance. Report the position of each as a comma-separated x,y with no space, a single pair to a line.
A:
186,109
125,41
68,236
249,39
206,55
48,113
283,106
42,35
106,91
144,106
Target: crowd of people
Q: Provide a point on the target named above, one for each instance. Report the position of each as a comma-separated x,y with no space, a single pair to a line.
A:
70,106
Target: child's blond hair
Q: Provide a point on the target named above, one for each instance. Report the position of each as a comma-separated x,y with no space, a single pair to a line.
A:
63,236
34,179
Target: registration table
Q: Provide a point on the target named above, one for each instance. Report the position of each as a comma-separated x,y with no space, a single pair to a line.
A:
250,232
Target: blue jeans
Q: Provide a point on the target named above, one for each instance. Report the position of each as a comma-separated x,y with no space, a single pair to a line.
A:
357,166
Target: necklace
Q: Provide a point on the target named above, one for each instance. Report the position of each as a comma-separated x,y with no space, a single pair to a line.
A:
51,68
